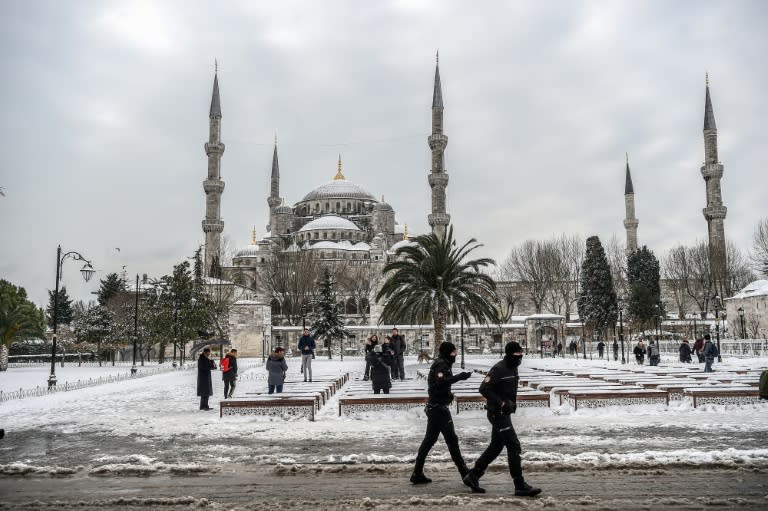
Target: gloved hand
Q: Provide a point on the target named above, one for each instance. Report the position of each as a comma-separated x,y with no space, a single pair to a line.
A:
508,407
464,375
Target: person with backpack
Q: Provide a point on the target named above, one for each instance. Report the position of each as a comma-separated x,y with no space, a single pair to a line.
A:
228,367
600,348
709,352
685,352
698,348
639,352
654,356
381,359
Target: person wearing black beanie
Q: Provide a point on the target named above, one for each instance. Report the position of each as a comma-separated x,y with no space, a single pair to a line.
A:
500,390
439,418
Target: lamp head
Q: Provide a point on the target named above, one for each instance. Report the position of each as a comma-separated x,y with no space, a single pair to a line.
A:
87,271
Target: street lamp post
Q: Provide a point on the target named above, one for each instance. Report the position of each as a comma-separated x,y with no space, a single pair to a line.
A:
621,329
263,344
716,302
87,271
538,338
135,326
462,341
741,320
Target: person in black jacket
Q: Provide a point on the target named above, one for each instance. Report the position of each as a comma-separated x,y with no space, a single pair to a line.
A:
439,418
500,390
685,351
230,375
370,342
204,384
397,342
381,359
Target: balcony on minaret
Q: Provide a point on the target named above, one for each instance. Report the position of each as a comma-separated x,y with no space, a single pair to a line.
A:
439,179
439,218
631,223
712,170
212,225
213,186
212,148
437,141
715,212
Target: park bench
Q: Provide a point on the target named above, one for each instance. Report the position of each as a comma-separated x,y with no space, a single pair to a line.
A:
476,401
561,392
284,406
319,397
599,398
378,402
722,396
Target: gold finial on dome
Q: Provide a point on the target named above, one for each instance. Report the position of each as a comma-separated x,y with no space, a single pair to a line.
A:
253,236
405,233
339,175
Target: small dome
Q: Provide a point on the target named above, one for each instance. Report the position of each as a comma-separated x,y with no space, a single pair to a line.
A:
283,210
382,206
329,222
361,247
324,245
338,189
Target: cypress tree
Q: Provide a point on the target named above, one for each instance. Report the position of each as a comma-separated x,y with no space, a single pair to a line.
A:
110,285
597,302
643,279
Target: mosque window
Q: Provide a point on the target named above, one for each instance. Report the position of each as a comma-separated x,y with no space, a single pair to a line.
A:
325,235
349,206
333,235
327,206
316,236
338,206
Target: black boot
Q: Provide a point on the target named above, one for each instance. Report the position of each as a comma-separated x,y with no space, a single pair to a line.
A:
420,478
472,479
526,490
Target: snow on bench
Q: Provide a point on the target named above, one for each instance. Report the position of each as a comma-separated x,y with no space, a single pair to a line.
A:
599,398
475,401
271,406
378,402
722,396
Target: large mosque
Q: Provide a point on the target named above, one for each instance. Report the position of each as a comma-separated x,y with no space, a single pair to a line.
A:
340,222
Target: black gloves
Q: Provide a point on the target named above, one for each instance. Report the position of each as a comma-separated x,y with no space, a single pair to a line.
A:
464,375
508,407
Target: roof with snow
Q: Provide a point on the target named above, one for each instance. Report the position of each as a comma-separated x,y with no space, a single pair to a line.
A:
329,222
756,288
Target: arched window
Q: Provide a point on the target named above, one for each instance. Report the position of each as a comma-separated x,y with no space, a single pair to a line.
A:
316,235
333,235
325,235
338,206
275,306
327,206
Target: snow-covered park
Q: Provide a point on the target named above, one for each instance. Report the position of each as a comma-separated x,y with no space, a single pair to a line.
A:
151,425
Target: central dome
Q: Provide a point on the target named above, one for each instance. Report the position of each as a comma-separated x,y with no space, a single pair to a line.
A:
338,189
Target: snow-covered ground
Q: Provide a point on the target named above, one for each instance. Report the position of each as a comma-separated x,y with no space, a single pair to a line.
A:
153,425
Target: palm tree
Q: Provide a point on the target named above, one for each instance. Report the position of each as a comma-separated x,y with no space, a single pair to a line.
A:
19,319
432,280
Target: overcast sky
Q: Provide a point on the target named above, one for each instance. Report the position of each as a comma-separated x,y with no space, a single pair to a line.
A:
105,113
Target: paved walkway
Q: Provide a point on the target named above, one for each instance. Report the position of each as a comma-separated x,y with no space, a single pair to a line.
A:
385,487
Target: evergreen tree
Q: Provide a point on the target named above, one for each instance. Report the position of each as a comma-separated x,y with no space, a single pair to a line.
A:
110,286
327,324
64,314
597,303
643,279
198,269
95,325
19,319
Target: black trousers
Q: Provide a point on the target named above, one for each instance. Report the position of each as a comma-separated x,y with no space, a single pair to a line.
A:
229,387
439,420
203,402
502,435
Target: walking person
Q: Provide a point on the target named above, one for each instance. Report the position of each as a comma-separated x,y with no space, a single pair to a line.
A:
439,418
654,356
370,342
698,347
600,348
204,384
639,352
615,350
277,367
229,372
500,390
380,359
307,349
709,353
399,346
685,351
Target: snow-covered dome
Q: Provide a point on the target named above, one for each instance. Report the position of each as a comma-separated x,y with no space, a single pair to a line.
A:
756,288
338,189
328,245
329,222
283,210
249,251
382,206
341,245
361,247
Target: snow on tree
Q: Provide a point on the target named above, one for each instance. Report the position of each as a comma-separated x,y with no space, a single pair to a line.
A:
109,287
327,323
597,302
95,325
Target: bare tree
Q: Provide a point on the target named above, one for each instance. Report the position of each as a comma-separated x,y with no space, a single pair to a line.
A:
566,273
739,270
753,326
676,272
289,280
356,281
532,265
759,255
617,260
